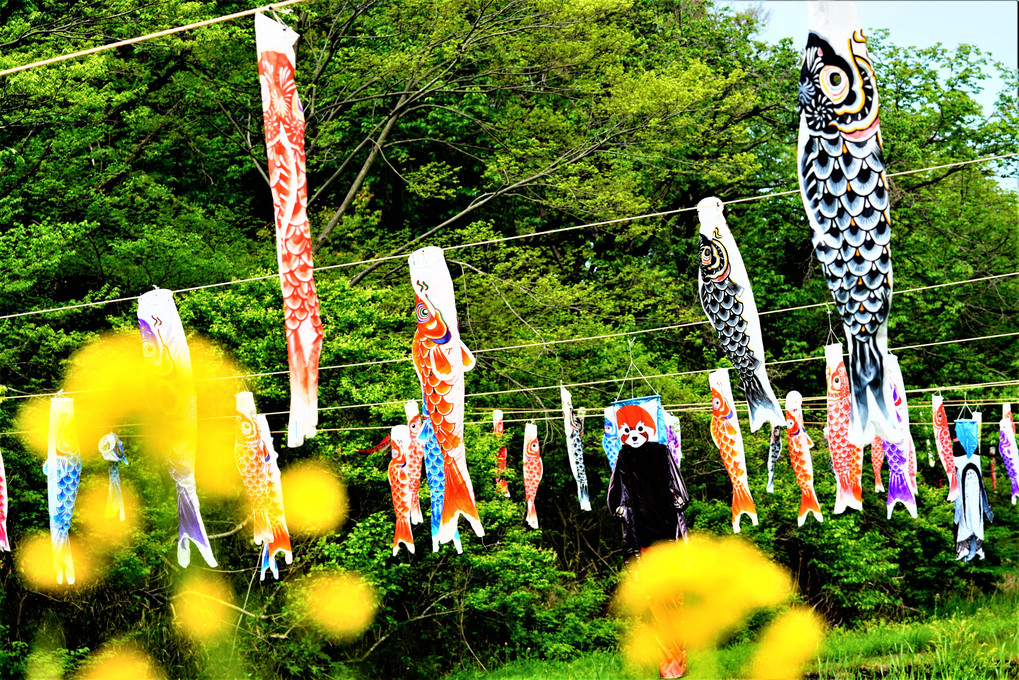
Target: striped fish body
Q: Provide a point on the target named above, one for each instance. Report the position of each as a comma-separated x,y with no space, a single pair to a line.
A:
845,193
112,449
533,470
800,443
610,440
399,487
901,455
5,542
575,447
165,347
943,440
63,474
1006,447
725,432
673,438
258,466
877,460
501,485
441,359
415,459
435,471
774,454
284,141
847,459
728,302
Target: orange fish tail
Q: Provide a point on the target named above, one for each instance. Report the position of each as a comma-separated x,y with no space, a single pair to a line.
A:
532,514
403,535
303,362
458,499
742,502
280,541
808,504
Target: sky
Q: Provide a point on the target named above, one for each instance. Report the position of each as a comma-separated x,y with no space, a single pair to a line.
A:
990,25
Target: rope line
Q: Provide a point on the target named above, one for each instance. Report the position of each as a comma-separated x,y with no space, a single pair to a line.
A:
621,334
549,387
143,38
491,241
692,407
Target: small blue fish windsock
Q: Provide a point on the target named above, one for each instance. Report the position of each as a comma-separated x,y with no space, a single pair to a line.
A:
63,474
112,449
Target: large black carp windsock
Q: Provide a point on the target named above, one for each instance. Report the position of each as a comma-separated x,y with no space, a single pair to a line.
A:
845,192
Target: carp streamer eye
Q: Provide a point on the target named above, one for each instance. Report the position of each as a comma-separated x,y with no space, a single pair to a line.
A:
706,255
716,403
422,312
834,83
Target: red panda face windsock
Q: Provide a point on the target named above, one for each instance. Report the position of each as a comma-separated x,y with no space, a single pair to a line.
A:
635,426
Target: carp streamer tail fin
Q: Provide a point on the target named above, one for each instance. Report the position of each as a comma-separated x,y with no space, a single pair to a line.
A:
899,491
742,503
189,517
280,541
403,535
458,500
304,346
62,561
867,377
115,498
762,404
809,504
532,514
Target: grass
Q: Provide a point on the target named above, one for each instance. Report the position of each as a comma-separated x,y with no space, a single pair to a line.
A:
976,639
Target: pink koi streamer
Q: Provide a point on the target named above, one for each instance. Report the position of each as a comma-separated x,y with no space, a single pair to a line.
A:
284,142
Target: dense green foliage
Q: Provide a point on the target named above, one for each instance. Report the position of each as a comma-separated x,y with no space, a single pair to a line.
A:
456,121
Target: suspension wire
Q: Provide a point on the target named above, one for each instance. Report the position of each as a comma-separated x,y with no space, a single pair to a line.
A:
149,36
496,240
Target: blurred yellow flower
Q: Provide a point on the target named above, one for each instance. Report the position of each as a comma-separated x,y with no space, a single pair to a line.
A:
787,644
120,662
315,500
203,606
340,604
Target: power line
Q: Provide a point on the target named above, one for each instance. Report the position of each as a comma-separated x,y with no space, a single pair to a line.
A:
590,383
620,334
490,241
584,384
149,36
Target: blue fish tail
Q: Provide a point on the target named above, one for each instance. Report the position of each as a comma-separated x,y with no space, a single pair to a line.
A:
62,560
115,499
191,527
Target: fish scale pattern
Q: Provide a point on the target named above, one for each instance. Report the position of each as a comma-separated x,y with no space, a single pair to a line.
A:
844,189
725,311
1006,447
774,454
436,478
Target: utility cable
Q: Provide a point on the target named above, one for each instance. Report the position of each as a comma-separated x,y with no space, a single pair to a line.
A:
489,241
149,36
